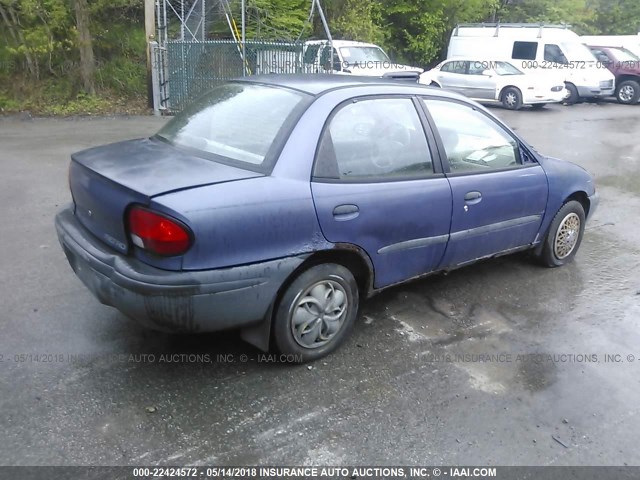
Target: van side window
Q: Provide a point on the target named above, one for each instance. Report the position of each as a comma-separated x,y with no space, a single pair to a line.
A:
524,50
552,53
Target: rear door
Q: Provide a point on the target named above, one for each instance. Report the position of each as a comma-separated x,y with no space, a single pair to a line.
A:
452,76
377,185
499,190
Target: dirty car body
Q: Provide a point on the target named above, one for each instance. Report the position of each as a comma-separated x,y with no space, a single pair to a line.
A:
274,204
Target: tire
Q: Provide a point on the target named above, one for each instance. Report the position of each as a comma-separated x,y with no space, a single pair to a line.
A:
628,92
511,98
564,236
538,106
573,97
434,84
296,312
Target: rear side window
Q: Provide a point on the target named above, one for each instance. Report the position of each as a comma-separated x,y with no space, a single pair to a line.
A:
375,139
524,50
237,122
455,66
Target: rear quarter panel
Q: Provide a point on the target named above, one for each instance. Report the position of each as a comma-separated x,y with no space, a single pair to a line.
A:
245,222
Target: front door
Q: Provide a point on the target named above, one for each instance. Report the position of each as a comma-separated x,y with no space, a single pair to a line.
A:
377,186
499,191
481,81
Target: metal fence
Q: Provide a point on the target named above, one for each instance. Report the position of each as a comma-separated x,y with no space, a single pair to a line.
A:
191,68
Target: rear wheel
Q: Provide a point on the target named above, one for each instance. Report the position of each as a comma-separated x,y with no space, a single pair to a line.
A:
565,235
628,92
573,94
512,98
316,312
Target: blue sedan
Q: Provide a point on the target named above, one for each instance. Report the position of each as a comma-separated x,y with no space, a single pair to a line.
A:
275,204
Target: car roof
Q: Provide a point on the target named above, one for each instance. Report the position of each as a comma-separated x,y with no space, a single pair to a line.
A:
479,60
317,84
341,43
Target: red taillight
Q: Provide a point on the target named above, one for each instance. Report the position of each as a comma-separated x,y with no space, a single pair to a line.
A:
157,233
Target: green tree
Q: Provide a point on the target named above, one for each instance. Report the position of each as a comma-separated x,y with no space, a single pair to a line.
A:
577,13
420,29
616,17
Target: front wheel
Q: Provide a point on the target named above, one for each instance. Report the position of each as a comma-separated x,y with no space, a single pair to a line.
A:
573,96
565,235
316,312
512,98
628,92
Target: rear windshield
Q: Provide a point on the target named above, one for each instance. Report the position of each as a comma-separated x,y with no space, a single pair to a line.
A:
245,123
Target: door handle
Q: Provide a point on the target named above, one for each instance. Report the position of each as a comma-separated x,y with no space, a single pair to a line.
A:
472,198
346,212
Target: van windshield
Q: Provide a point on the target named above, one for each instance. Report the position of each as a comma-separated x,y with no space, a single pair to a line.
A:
577,52
363,54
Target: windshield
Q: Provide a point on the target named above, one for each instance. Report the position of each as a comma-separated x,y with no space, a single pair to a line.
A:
504,68
575,52
363,54
624,55
237,121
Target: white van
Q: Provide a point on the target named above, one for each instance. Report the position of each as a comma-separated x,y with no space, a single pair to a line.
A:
553,48
630,42
349,57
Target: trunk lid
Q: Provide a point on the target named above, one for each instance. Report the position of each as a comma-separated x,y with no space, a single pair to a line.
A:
106,180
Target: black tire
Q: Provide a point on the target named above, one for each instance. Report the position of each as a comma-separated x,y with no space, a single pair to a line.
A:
318,278
511,98
549,255
434,84
628,92
573,97
538,106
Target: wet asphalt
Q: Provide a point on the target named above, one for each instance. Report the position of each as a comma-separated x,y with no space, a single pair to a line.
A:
415,383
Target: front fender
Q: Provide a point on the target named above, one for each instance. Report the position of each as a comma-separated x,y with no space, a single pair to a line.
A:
565,179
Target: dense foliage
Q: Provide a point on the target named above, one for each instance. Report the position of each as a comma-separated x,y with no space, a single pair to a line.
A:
56,54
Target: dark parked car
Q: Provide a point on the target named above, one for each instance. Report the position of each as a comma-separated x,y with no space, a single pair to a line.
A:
625,65
275,204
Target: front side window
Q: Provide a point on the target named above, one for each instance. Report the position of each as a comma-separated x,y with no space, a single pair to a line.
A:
477,68
505,68
552,53
472,141
374,139
237,122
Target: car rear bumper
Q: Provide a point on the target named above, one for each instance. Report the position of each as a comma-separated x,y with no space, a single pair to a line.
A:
182,301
